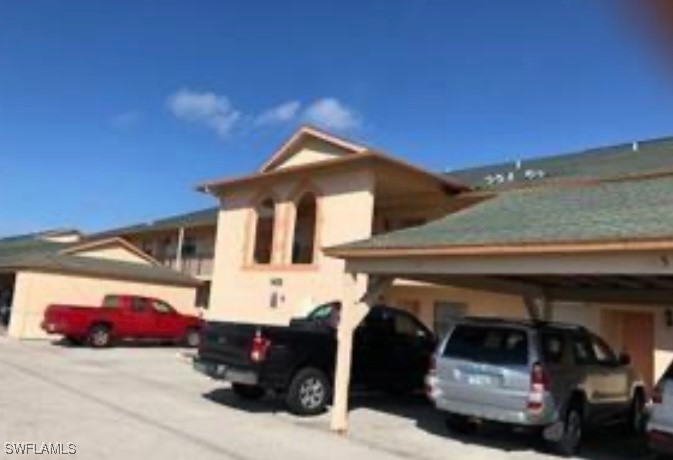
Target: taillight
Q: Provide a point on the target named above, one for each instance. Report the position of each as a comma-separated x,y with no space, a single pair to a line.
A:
657,394
259,347
538,387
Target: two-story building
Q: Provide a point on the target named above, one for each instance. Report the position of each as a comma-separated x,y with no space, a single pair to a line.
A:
318,191
184,242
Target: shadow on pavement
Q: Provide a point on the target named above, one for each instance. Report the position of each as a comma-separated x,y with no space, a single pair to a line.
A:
227,397
607,444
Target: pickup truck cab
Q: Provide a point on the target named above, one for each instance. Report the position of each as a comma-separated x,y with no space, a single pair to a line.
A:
391,351
122,317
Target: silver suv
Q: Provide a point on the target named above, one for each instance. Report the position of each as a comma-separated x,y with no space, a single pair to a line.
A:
558,378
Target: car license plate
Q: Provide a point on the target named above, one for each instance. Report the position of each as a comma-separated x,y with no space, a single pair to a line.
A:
480,379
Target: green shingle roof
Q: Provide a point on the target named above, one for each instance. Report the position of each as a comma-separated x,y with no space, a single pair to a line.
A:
605,162
192,219
37,254
633,209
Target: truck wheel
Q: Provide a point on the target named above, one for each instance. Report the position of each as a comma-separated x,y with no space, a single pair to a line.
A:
572,432
192,338
249,392
309,392
637,416
99,336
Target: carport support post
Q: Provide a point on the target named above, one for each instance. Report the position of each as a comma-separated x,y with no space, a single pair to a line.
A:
352,312
539,308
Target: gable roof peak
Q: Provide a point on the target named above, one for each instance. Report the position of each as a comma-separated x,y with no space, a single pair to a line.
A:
300,135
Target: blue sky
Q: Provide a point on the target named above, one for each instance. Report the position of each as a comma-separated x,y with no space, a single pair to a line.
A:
110,112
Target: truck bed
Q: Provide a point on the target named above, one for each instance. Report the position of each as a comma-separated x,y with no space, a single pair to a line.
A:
229,344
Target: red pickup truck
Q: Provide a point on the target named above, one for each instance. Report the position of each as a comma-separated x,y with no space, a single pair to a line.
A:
122,317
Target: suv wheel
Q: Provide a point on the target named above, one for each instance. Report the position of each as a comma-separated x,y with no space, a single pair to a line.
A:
572,432
99,336
309,392
637,416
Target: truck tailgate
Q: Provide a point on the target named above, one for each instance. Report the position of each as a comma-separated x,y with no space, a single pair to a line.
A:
227,343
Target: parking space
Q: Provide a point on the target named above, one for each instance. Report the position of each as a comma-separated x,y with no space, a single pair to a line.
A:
147,402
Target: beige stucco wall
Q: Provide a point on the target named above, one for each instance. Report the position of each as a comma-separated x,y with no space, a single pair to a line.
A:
242,292
479,303
311,151
34,291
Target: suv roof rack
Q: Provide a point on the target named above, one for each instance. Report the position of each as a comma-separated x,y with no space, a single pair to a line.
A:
522,322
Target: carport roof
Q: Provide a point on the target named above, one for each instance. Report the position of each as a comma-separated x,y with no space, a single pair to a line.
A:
608,212
33,253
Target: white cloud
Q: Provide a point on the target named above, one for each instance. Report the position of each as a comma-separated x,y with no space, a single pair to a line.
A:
330,113
280,114
208,108
126,120
218,113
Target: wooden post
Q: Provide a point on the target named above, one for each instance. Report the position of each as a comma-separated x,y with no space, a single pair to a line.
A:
531,307
178,253
353,310
539,308
547,308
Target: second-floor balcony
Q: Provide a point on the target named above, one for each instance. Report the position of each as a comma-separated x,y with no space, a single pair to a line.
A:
200,266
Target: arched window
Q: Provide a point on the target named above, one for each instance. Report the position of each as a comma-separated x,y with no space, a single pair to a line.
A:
303,242
266,216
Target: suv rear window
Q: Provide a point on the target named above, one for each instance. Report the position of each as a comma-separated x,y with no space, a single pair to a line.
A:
490,345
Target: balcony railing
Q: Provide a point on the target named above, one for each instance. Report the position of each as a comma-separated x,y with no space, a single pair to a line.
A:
193,265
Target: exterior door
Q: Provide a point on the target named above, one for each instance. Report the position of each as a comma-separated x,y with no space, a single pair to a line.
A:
138,320
638,339
632,332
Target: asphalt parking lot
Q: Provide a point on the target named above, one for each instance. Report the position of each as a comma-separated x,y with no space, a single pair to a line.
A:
147,402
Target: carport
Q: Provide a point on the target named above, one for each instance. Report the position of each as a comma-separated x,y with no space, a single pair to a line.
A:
607,243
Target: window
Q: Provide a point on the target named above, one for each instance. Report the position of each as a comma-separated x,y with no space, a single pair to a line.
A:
138,304
324,311
407,326
189,247
604,355
266,216
553,347
491,345
329,314
583,350
111,301
303,242
162,307
445,315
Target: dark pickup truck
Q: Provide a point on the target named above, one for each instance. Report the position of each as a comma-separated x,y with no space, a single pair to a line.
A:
391,351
